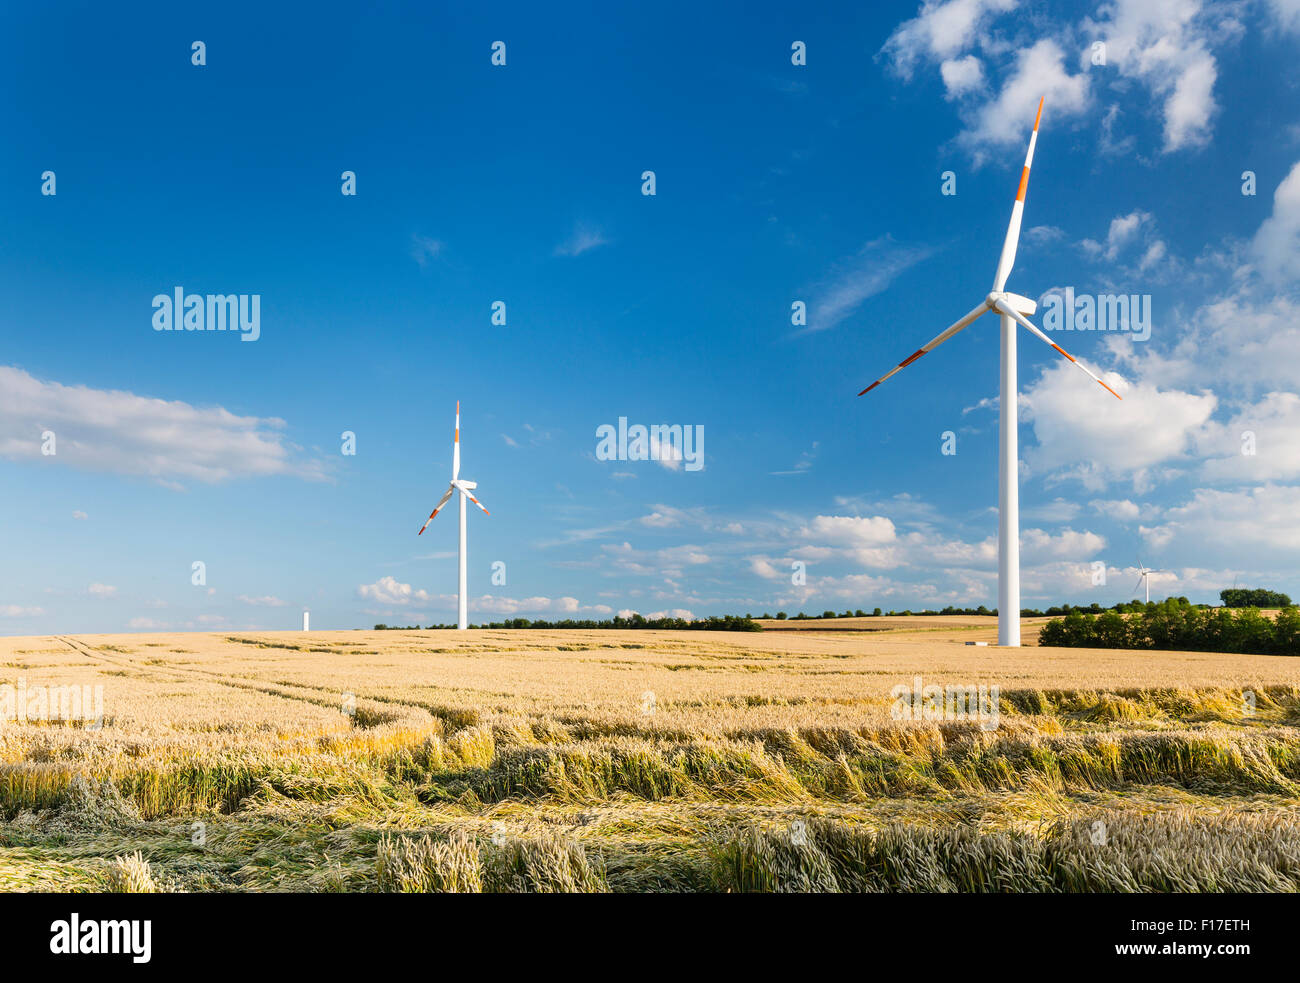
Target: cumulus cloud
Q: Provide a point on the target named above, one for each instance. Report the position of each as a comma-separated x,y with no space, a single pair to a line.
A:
1253,519
120,432
940,30
101,590
962,76
1039,71
1276,245
1260,443
1123,230
1083,433
1165,46
388,591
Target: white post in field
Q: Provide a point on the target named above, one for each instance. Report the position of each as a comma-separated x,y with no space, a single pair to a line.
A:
306,620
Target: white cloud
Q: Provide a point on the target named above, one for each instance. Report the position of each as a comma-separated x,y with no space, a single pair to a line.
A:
387,590
851,530
1274,451
1165,44
120,432
1121,510
78,514
145,624
425,249
1123,230
962,76
1037,545
940,30
101,590
17,611
1084,433
854,281
1277,243
1254,519
583,239
663,517
1286,13
266,601
1039,71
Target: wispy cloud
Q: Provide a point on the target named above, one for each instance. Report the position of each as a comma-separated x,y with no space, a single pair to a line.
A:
853,281
583,239
425,248
266,601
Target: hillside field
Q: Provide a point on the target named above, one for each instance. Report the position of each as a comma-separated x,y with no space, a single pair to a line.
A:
589,760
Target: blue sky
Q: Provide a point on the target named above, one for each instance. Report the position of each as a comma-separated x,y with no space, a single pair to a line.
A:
522,183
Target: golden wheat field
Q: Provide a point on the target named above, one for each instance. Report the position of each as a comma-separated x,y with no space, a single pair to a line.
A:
606,760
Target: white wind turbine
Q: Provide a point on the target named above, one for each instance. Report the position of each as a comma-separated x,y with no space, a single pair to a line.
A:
1145,578
464,488
1013,309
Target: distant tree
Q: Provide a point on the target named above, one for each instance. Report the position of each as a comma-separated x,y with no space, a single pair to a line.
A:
875,612
780,616
1258,597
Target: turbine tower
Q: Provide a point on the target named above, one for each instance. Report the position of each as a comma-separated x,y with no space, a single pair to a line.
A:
1014,309
464,488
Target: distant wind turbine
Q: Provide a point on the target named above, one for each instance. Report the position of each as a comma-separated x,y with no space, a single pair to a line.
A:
464,488
1013,309
1145,578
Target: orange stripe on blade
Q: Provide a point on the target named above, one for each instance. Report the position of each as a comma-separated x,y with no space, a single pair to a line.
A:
1111,391
1024,183
1062,351
869,388
1040,112
911,358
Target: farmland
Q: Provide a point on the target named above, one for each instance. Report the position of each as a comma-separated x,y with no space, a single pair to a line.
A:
645,761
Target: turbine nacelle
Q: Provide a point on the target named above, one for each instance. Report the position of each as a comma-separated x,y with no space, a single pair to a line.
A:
1019,304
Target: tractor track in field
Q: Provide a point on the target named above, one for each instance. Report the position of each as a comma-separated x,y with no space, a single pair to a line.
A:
191,674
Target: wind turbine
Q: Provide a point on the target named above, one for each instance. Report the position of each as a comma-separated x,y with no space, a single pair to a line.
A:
1145,578
1013,308
464,488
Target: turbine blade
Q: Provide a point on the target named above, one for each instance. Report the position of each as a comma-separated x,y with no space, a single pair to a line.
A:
455,449
474,500
1004,308
931,345
1012,241
1137,585
436,509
